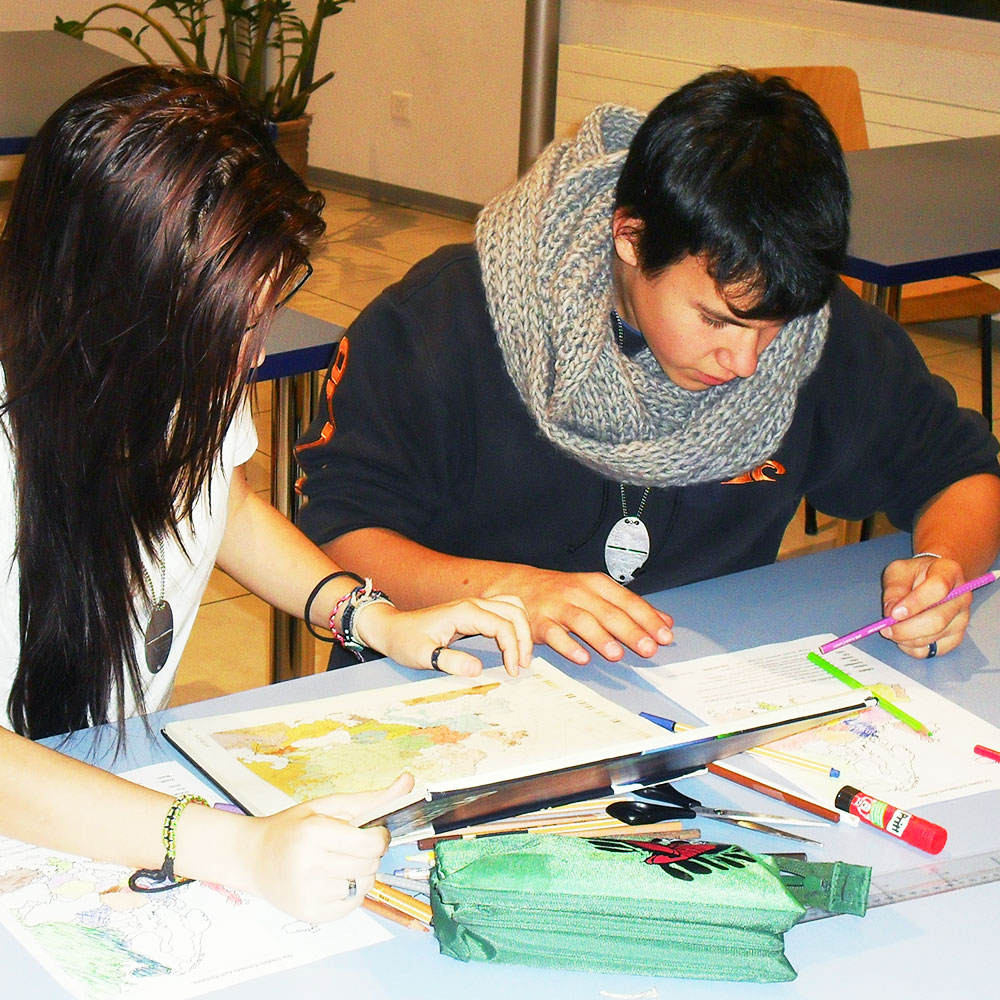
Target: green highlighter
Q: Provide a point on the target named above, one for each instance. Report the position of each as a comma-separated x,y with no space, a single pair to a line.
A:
853,682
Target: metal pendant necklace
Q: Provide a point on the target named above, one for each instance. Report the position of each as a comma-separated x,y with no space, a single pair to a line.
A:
627,547
159,635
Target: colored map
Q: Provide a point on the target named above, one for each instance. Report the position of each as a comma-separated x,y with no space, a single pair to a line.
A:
447,732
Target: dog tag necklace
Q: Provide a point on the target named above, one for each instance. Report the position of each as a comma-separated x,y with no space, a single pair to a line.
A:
159,634
627,547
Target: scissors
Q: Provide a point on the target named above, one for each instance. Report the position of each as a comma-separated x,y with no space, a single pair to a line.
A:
680,806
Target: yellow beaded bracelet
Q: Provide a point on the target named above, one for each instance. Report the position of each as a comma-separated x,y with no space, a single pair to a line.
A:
163,878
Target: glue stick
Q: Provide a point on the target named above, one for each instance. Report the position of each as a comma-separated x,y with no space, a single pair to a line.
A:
919,832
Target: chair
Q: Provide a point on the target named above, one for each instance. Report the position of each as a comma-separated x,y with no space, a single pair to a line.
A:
837,91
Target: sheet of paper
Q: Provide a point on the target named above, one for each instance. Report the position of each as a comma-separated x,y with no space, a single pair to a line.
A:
448,732
874,751
101,941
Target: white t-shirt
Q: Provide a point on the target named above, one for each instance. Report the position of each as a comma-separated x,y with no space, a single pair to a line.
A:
186,578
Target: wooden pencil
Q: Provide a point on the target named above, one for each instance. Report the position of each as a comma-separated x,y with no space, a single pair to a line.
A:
650,831
605,827
401,900
775,793
391,913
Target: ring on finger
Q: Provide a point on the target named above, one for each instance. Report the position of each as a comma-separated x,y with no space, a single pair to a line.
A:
434,658
352,889
931,650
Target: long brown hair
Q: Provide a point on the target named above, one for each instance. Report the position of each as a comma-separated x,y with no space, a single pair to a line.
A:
153,225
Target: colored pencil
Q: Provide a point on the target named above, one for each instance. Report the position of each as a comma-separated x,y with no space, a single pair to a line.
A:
391,913
766,753
402,901
866,630
772,792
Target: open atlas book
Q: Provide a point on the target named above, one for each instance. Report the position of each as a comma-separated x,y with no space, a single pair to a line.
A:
477,747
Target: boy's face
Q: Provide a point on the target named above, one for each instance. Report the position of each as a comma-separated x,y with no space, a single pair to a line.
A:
687,322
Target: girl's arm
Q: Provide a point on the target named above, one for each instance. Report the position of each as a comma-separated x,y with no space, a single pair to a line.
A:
299,859
263,551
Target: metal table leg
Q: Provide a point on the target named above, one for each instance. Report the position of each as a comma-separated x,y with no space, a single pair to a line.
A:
292,406
886,297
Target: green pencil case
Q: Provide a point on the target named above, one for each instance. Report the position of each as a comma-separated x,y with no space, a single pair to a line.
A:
683,909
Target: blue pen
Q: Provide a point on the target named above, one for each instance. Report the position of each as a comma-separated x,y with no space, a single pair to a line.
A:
659,720
784,758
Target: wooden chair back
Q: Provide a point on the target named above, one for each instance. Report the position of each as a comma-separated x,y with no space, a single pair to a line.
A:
837,91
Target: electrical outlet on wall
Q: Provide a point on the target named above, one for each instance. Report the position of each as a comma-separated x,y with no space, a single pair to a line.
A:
399,105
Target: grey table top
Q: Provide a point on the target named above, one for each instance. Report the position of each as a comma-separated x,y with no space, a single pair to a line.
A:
928,210
38,71
298,343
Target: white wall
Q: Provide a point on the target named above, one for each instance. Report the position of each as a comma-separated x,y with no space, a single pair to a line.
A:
459,59
923,76
461,62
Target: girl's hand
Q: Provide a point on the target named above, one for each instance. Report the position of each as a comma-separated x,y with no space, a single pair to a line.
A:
303,859
411,637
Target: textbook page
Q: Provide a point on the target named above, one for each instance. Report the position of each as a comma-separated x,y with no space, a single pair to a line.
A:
100,940
873,750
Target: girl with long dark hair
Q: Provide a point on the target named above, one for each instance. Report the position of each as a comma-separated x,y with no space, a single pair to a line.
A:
152,235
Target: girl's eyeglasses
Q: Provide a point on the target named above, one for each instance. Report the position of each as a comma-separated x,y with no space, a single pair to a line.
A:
301,277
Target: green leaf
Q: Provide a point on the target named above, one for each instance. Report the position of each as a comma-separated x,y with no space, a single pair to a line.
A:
72,28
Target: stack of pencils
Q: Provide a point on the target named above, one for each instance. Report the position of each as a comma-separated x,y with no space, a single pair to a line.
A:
577,819
398,906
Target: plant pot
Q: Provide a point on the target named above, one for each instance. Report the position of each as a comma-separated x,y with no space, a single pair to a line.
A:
291,139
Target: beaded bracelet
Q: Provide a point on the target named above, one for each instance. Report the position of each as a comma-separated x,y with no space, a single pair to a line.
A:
307,614
358,598
163,878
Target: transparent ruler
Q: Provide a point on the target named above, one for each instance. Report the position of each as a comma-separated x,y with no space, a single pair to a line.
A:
928,880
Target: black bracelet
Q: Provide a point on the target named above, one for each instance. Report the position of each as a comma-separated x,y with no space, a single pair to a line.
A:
307,615
348,637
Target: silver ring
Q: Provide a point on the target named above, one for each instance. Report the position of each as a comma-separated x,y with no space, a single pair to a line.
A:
352,889
434,658
932,651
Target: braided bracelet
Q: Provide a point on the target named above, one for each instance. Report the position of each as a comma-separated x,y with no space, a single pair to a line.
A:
163,878
307,614
359,598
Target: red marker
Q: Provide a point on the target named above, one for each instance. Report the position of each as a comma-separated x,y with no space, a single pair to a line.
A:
919,832
987,752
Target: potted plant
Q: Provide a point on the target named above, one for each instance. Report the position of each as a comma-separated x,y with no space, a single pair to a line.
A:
266,47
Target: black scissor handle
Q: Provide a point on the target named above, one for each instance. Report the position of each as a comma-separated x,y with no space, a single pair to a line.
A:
666,792
638,813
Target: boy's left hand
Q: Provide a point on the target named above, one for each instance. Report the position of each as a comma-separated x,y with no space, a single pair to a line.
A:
909,586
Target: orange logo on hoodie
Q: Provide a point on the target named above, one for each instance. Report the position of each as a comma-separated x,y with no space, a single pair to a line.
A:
764,473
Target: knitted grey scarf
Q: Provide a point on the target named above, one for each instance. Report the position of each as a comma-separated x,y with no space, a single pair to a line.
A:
546,248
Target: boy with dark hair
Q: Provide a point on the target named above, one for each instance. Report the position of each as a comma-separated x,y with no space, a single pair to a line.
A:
632,380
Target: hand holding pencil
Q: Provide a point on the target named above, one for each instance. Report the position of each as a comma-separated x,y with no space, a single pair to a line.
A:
910,589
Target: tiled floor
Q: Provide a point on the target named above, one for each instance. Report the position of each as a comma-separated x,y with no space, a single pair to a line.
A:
369,245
